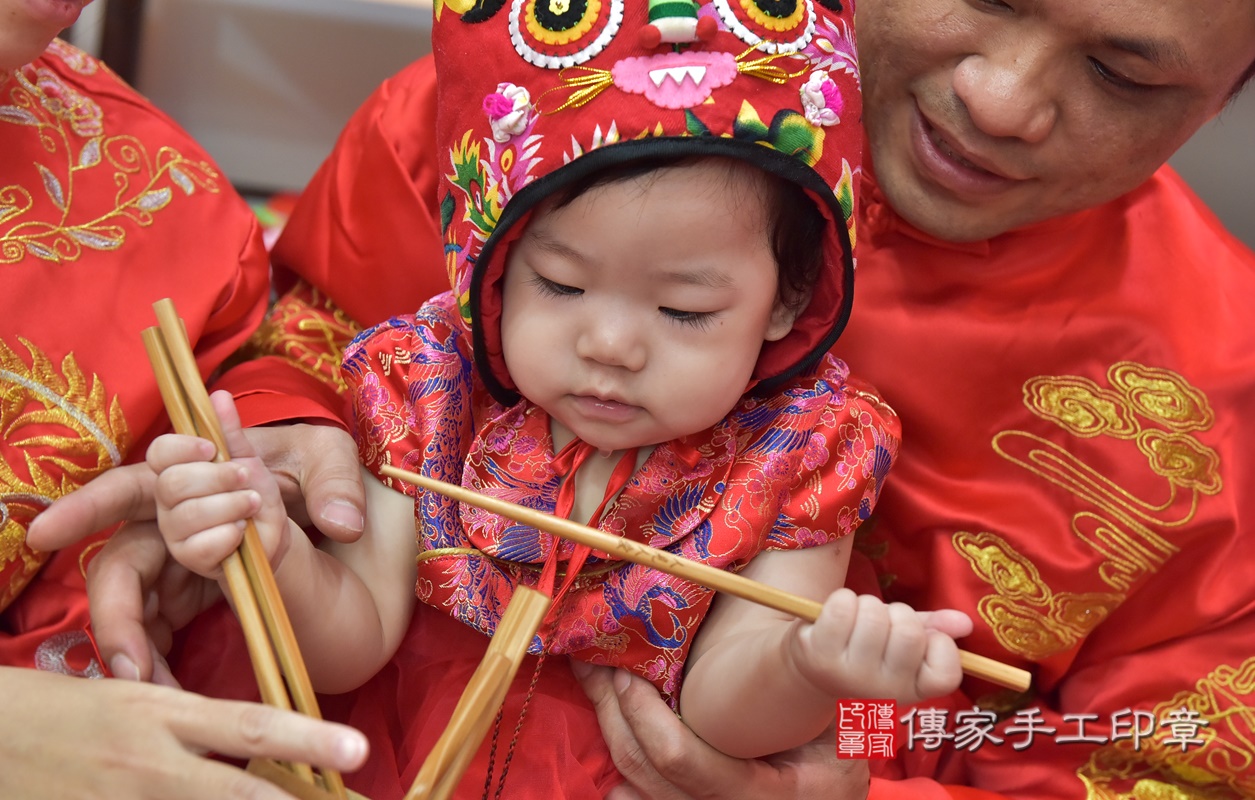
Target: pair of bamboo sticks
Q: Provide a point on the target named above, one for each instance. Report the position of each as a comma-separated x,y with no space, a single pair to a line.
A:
250,581
711,577
268,632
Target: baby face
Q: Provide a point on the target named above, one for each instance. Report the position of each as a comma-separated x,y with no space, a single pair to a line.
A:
635,314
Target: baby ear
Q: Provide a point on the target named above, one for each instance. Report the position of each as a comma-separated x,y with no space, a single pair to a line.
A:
782,319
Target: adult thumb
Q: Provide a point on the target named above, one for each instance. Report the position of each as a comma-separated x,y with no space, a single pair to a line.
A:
331,481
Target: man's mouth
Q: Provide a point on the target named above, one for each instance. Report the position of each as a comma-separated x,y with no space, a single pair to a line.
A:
943,145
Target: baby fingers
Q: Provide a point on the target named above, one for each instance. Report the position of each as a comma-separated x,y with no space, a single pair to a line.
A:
201,508
173,448
941,672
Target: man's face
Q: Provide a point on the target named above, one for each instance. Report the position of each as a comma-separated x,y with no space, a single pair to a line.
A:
987,115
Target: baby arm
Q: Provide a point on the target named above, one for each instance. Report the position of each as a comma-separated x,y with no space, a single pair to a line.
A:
349,604
759,681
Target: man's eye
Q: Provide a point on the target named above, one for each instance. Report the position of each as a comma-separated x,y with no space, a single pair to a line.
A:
553,288
1110,76
698,319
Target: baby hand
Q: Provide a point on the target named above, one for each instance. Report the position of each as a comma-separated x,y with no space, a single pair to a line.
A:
862,647
202,505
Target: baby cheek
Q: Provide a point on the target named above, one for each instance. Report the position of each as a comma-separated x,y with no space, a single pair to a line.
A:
713,390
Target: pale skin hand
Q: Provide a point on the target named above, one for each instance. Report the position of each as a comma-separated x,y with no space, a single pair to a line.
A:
759,681
105,739
349,604
662,759
863,647
138,594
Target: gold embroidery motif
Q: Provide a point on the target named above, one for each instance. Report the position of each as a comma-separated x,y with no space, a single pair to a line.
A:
50,221
1026,616
1081,406
1224,767
308,331
65,432
1155,410
1162,396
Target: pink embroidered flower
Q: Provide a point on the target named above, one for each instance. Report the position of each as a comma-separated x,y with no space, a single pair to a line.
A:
701,469
509,111
73,58
526,445
371,397
821,99
498,439
574,634
835,370
81,112
847,520
778,467
816,452
660,670
612,523
808,537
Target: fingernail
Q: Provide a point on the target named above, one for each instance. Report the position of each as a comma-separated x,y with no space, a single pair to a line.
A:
581,668
622,680
343,514
351,749
124,668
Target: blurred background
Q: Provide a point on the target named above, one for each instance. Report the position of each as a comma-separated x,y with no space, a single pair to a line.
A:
266,85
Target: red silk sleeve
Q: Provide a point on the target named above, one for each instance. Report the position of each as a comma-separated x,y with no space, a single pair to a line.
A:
366,231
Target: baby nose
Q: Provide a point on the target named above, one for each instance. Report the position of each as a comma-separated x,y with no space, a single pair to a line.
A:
612,340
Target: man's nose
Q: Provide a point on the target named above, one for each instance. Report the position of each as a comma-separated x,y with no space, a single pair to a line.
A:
612,339
1008,89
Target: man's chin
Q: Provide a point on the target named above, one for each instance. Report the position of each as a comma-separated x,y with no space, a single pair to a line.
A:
951,222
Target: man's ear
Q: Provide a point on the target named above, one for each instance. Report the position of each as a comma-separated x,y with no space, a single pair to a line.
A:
782,319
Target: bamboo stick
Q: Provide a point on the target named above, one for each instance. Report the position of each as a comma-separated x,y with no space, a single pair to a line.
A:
978,666
281,776
485,692
269,679
248,573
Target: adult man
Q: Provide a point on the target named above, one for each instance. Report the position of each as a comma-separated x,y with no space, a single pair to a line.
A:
1054,318
1069,382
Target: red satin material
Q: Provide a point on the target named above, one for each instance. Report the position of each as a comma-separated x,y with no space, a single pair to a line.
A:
1063,390
187,235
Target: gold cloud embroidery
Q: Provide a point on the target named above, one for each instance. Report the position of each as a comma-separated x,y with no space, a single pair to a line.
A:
1026,616
1159,769
1157,412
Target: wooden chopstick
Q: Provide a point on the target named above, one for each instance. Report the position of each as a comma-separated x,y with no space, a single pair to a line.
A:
250,579
976,665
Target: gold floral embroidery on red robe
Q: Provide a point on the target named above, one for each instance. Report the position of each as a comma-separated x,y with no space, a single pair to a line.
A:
60,430
88,186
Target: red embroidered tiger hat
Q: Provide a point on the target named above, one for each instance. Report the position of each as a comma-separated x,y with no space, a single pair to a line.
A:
542,93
